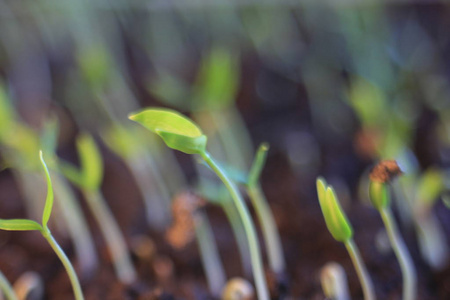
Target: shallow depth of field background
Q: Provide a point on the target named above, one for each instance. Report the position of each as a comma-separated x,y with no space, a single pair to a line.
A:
332,88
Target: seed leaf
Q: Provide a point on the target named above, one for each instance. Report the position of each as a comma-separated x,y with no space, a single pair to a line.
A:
91,161
49,200
430,186
177,131
19,225
335,218
218,80
379,194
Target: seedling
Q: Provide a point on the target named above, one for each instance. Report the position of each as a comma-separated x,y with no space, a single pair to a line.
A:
265,217
25,225
380,177
334,282
6,288
89,178
342,231
430,234
19,145
180,133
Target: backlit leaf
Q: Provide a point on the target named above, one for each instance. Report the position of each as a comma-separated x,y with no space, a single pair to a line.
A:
19,225
177,131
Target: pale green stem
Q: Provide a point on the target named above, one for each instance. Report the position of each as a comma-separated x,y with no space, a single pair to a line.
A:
71,214
241,239
255,252
156,197
76,225
234,137
361,270
66,262
266,220
6,288
120,256
400,250
212,264
234,219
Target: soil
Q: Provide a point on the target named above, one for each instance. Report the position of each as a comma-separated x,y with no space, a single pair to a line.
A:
166,272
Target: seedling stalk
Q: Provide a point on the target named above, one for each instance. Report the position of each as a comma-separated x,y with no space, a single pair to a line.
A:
400,250
6,288
258,271
361,270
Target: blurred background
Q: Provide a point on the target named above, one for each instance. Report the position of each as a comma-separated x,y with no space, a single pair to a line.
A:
333,87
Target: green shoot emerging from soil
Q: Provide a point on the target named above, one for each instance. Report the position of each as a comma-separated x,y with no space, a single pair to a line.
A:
6,289
180,133
25,225
381,175
341,230
89,178
254,190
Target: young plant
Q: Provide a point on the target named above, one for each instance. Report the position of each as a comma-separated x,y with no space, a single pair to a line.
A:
180,133
342,231
89,178
25,225
6,289
265,216
380,177
19,145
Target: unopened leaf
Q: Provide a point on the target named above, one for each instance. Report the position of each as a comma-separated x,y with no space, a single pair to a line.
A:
91,161
335,218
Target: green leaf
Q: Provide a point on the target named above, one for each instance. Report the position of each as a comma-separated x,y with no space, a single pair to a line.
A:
379,195
368,101
177,131
430,186
49,200
95,64
335,218
91,161
19,225
7,113
218,80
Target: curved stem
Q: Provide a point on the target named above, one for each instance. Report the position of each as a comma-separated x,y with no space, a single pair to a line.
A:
6,288
212,264
258,271
400,250
361,270
241,239
66,262
113,236
271,236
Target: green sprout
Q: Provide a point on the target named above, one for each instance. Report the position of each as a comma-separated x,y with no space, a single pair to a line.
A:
25,225
6,288
342,231
180,133
265,216
379,195
430,234
89,178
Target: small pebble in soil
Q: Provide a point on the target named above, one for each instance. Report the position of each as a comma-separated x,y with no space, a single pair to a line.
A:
238,289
